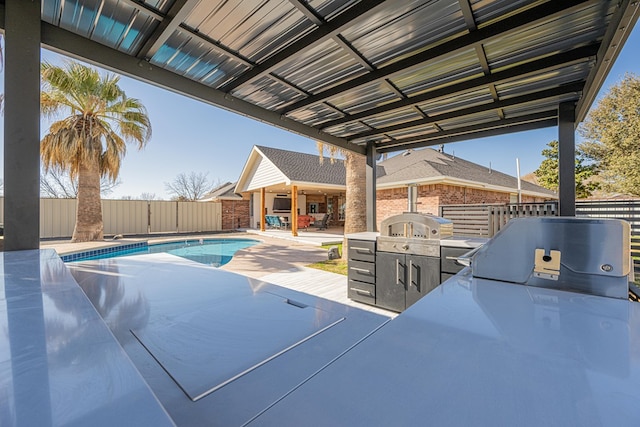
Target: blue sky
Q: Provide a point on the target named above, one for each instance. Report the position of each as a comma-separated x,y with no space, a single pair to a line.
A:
189,135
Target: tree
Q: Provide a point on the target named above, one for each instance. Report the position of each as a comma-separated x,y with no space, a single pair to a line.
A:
356,203
89,142
547,173
612,136
56,183
188,188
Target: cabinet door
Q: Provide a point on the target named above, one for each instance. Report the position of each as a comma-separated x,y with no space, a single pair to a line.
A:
390,281
423,275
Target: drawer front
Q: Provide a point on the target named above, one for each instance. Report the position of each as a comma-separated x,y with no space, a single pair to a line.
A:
362,250
447,259
362,292
362,271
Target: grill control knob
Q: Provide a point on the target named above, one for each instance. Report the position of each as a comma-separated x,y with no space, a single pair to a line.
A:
405,247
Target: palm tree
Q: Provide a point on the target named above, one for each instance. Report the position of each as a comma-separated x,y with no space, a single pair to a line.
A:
355,166
90,142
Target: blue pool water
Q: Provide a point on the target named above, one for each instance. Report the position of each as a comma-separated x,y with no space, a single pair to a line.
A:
214,252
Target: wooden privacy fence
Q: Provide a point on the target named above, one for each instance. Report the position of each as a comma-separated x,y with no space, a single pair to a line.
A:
58,217
484,220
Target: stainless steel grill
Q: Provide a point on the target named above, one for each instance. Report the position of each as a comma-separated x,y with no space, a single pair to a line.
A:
414,233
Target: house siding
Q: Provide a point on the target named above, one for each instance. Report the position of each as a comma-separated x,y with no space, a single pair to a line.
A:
264,174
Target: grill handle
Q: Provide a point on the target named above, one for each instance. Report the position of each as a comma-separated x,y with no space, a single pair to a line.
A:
397,271
356,248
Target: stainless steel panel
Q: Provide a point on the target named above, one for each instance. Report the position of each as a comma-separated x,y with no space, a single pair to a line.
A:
409,246
482,353
211,347
150,292
594,255
59,363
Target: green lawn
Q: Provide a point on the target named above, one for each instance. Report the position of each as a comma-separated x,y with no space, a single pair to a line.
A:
333,266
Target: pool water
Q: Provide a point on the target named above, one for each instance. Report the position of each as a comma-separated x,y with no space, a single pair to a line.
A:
213,252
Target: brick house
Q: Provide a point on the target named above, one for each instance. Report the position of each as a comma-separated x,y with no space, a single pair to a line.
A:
438,178
235,207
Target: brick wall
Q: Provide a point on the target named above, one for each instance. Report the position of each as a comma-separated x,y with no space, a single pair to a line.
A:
394,201
235,214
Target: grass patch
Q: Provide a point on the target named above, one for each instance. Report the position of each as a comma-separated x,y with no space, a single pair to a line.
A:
331,265
337,266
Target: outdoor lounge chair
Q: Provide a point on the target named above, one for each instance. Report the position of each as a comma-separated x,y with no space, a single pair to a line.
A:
322,224
304,221
273,221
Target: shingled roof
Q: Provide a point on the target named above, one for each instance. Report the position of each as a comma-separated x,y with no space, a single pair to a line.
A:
303,167
417,166
222,192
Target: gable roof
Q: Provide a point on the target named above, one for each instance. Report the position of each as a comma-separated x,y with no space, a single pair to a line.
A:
422,166
303,167
225,191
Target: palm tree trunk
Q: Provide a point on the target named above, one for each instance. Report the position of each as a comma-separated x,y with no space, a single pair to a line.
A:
356,202
89,211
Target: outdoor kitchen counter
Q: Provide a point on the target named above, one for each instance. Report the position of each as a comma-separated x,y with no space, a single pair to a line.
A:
463,242
452,242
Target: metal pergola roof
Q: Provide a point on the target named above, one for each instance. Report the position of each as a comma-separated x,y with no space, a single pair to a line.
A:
397,73
368,76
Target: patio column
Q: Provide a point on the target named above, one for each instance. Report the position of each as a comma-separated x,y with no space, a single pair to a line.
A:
263,218
22,125
567,159
294,210
370,177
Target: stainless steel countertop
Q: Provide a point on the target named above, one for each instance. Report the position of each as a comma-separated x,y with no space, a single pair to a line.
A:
483,353
59,363
453,242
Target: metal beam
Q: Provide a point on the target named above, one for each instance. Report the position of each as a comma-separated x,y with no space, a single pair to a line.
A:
554,61
176,16
567,158
73,45
464,133
510,102
22,129
544,11
359,12
309,13
467,13
370,196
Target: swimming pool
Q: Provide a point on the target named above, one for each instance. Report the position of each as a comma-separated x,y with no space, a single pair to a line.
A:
213,252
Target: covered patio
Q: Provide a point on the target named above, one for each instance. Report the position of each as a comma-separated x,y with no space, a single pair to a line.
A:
369,77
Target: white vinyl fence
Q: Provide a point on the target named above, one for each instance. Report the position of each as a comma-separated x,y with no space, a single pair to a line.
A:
58,217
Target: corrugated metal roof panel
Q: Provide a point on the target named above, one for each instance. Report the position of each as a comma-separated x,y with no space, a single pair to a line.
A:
418,131
256,29
315,115
328,9
393,118
559,34
400,29
189,56
347,129
320,67
484,117
459,66
162,6
268,93
457,101
537,107
549,79
365,97
486,11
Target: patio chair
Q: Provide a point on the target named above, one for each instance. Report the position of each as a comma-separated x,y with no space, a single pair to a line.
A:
322,224
304,221
273,221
